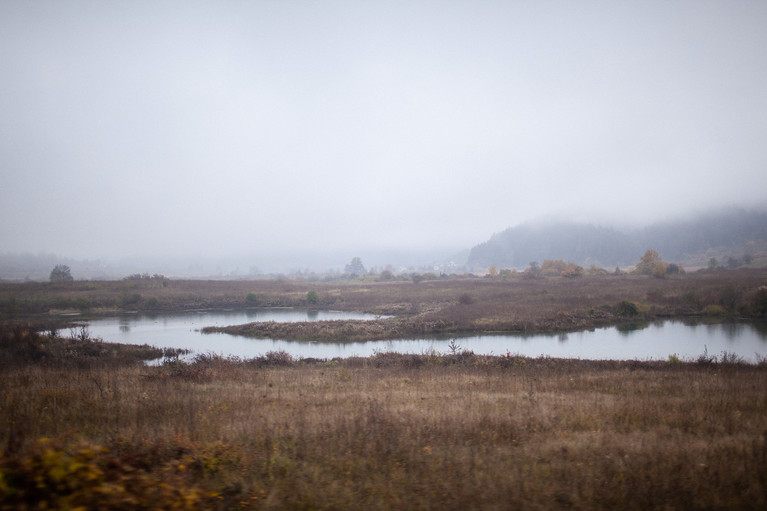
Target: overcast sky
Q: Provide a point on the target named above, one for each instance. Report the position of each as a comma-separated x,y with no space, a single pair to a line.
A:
152,128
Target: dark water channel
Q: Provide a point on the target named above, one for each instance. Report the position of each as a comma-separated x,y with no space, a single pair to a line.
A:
654,341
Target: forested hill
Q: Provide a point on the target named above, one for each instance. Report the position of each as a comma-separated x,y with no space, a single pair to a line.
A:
733,233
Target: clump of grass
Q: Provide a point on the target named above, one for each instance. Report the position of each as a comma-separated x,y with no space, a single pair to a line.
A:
20,345
465,299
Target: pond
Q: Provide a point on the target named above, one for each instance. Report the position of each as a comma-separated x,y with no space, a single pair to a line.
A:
652,341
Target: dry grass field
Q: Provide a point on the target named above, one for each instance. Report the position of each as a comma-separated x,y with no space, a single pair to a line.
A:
83,427
86,425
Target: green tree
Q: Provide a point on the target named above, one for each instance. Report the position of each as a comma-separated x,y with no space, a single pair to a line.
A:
61,273
312,297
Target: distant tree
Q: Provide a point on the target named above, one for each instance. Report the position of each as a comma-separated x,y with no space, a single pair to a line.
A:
61,273
312,297
675,269
647,263
355,267
533,270
713,263
660,270
552,267
492,271
572,271
561,267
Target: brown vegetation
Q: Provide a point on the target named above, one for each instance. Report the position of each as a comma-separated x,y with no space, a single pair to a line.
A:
462,306
458,431
440,306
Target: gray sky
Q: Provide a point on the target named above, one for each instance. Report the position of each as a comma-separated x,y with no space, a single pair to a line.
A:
152,128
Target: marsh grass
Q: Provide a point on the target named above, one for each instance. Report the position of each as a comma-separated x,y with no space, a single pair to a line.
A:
453,431
514,305
87,424
463,302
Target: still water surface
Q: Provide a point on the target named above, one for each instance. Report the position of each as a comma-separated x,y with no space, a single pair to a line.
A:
654,341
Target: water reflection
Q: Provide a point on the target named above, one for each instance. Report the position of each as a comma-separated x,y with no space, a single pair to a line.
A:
640,340
731,330
627,329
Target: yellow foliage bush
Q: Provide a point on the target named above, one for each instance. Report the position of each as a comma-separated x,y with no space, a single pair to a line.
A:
54,474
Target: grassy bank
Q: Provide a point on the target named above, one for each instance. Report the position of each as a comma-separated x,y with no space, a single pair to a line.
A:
547,304
443,306
391,431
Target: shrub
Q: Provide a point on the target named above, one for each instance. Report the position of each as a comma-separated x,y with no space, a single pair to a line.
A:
660,270
759,302
692,298
675,269
572,271
729,297
627,308
465,299
278,358
312,297
560,267
56,474
61,273
714,310
83,304
132,300
251,298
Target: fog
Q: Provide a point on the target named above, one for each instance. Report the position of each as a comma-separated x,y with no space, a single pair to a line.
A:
279,132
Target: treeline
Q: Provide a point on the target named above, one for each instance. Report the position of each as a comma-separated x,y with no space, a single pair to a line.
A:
733,237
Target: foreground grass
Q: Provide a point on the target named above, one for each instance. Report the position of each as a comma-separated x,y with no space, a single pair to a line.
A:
391,431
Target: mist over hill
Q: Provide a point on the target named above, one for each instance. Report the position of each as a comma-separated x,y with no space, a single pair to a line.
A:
692,242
